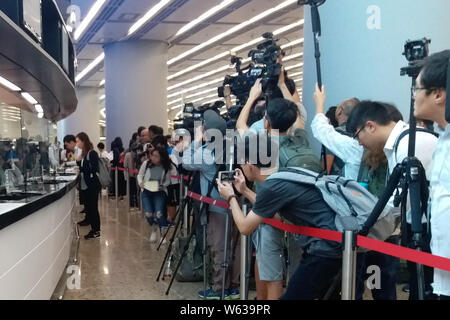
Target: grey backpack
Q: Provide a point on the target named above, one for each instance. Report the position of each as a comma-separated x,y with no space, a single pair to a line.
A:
103,173
347,198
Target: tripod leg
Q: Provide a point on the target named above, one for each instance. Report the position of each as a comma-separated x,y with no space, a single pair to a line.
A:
334,286
167,232
177,226
205,276
225,260
185,250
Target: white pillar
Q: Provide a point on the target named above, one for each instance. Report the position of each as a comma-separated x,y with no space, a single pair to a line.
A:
136,87
85,118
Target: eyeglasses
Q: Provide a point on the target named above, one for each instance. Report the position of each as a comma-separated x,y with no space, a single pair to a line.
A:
355,136
414,90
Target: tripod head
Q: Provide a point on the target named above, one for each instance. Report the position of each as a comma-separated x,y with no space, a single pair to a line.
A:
415,52
316,3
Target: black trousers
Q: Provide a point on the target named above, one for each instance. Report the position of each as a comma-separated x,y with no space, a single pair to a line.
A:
91,206
81,196
133,193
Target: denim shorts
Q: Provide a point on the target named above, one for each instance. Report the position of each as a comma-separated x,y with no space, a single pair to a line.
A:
269,244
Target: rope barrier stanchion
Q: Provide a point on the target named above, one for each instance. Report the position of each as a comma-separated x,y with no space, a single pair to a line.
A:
127,176
349,265
116,185
244,261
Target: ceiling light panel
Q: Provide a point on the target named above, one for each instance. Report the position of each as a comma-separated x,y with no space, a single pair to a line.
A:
209,13
91,15
148,16
8,84
233,30
236,50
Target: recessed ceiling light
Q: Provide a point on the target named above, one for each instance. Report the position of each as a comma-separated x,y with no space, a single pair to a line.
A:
150,14
232,31
29,98
9,84
204,16
91,66
234,50
92,13
38,108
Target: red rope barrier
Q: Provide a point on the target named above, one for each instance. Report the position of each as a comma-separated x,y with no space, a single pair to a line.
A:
420,257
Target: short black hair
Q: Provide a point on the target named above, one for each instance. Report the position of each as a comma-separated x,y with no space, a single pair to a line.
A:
434,71
281,114
159,140
331,114
101,145
139,130
368,111
156,130
69,138
393,112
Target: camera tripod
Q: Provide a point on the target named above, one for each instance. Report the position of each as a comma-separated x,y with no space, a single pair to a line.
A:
410,176
202,219
187,202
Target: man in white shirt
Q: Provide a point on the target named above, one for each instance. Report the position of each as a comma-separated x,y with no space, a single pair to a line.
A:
71,153
430,100
373,128
341,145
103,154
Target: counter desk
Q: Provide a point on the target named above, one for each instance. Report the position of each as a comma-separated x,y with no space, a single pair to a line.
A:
36,235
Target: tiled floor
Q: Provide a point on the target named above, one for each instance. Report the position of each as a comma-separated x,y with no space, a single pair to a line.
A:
123,265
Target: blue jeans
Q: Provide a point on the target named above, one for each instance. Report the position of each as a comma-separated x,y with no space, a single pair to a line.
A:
312,278
154,204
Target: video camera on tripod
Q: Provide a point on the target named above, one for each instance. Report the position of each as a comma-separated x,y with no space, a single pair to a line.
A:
264,65
192,114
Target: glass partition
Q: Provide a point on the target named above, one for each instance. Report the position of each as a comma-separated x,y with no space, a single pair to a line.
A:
25,141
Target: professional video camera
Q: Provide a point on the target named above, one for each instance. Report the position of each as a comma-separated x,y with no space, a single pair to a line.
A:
264,65
192,114
415,52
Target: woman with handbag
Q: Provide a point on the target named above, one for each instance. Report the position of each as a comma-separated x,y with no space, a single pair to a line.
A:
89,183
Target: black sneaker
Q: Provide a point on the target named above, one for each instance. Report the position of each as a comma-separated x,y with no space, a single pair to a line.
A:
92,235
83,223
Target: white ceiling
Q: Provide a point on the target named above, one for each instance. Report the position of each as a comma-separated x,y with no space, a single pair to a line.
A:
126,12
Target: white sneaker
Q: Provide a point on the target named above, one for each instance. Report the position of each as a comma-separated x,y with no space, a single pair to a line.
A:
153,236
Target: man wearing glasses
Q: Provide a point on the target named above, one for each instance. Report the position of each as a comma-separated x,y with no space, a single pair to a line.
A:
430,100
374,129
